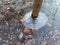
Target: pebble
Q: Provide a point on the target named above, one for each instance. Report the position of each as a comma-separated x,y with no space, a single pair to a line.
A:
6,3
0,38
23,20
20,36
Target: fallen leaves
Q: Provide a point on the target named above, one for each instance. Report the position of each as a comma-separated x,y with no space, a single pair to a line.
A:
28,31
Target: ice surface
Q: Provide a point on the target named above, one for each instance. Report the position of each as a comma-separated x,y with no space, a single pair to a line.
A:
39,22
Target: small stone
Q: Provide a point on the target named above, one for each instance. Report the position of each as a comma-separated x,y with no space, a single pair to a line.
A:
23,20
30,36
6,3
11,38
6,41
7,24
10,9
13,3
54,39
20,36
0,39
